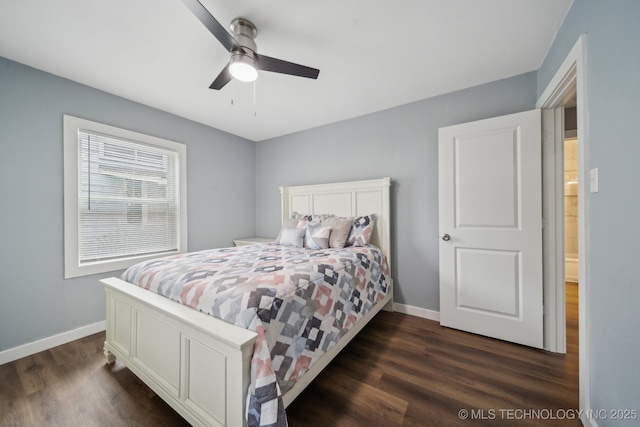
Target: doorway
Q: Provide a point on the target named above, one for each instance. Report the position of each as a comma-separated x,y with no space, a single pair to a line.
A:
570,175
568,84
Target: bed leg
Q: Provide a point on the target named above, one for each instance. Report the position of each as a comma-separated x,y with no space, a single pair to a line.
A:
111,358
389,305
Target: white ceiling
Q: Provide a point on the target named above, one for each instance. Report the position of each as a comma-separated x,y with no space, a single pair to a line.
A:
372,54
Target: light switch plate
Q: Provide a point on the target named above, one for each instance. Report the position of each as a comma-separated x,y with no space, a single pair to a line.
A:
593,180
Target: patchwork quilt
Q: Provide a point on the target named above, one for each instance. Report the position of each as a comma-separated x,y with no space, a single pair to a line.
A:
298,301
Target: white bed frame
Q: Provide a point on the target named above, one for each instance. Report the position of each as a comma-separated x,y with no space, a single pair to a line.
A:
200,365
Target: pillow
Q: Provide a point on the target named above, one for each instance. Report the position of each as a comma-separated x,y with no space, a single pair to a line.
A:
289,223
292,237
309,217
340,228
361,230
317,236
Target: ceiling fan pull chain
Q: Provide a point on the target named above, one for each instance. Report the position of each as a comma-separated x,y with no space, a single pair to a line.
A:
254,98
233,87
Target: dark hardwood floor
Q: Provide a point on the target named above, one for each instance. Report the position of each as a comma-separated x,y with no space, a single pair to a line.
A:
400,371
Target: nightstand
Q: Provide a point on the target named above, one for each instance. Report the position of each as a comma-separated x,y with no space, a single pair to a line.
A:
252,240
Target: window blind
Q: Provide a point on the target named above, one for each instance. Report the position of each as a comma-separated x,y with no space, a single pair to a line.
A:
129,201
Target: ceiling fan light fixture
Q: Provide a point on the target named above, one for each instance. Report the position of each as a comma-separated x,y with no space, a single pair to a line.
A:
242,67
245,61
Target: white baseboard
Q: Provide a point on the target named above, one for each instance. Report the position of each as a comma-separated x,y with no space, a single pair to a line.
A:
417,311
34,347
25,350
588,418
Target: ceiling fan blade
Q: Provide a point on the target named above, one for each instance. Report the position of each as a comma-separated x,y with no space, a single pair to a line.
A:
266,63
223,78
213,25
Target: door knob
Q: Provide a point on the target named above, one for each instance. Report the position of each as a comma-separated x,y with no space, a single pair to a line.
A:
446,237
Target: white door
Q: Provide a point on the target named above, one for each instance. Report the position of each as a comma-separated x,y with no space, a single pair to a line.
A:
490,206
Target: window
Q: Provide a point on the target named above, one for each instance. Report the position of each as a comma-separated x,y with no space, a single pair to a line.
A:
124,197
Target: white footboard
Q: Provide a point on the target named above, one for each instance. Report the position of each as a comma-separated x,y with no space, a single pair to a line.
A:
196,363
199,365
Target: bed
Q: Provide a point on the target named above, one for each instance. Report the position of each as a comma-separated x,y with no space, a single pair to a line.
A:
201,365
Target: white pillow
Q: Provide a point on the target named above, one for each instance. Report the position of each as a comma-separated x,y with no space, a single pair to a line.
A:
292,237
289,223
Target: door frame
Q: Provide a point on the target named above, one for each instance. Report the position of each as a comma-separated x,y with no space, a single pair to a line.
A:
569,80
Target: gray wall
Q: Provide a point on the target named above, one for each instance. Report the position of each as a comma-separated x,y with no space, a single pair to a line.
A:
35,300
613,270
401,143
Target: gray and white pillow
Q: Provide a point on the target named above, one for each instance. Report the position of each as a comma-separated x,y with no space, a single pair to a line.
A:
317,236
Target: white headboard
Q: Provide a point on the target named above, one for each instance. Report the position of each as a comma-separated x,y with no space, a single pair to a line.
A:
354,198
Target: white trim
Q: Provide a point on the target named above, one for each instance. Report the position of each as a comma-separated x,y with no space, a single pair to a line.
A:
553,232
25,350
588,421
564,78
417,311
34,347
573,70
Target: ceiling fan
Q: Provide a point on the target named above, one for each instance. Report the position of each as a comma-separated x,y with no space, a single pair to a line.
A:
245,61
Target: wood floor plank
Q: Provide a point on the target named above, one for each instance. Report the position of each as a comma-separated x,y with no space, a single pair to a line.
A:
399,371
38,371
10,384
379,405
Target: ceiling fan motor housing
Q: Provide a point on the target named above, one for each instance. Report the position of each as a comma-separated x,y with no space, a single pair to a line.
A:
245,33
